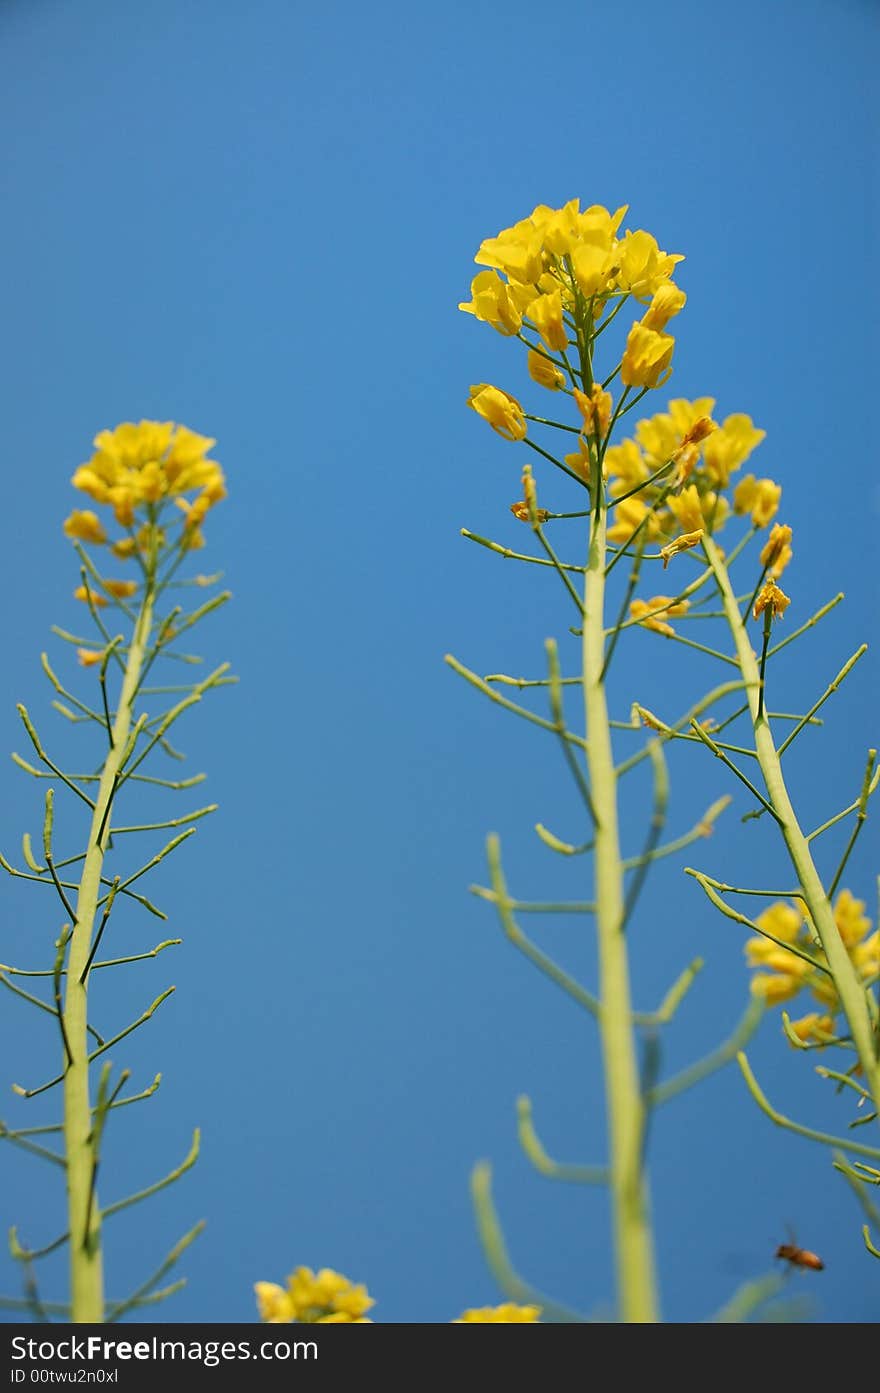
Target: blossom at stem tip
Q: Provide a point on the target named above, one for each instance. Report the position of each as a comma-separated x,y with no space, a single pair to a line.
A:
500,409
686,542
771,598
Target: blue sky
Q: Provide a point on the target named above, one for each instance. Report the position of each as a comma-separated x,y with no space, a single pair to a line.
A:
258,220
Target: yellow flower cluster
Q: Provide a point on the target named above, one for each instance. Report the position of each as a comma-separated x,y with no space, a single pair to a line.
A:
138,468
317,1298
782,974
656,613
706,453
508,1314
555,254
563,262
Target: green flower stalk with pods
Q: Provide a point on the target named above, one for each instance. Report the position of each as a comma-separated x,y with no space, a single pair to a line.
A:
555,283
160,484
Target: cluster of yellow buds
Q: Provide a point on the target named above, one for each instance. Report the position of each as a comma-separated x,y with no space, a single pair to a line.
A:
317,1298
137,469
782,974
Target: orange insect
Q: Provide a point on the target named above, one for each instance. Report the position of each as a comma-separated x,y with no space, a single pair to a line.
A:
799,1257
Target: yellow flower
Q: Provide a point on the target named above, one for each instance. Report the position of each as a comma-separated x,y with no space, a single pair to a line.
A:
775,988
658,621
494,302
340,1318
852,923
760,497
99,600
825,992
772,598
90,657
194,512
545,373
326,1293
121,589
92,483
776,553
324,1297
579,461
545,312
702,428
667,301
626,466
866,957
782,920
788,973
509,1313
627,516
123,500
85,525
149,538
683,543
730,447
693,510
646,358
595,409
521,511
143,464
813,1028
274,1303
517,251
124,548
500,409
674,432
592,263
642,267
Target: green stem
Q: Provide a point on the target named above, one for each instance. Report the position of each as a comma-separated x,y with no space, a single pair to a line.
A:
637,1300
853,999
86,1266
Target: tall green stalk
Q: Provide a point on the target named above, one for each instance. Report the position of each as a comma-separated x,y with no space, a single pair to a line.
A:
633,1242
86,1267
853,998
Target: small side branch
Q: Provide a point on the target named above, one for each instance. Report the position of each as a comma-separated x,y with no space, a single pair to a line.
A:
499,700
41,754
559,726
843,1144
141,1296
861,818
186,1164
711,1063
519,940
655,829
495,1251
719,754
710,888
554,1170
673,998
829,691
